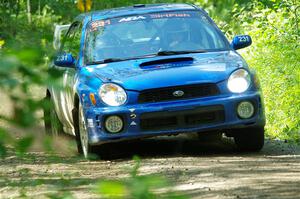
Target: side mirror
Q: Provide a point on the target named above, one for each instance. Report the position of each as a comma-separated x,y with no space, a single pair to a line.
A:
65,60
241,41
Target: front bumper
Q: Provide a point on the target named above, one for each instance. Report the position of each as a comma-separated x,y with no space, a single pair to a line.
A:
219,112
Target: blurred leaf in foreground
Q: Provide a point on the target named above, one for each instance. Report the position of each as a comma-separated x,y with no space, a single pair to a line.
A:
111,189
2,42
22,145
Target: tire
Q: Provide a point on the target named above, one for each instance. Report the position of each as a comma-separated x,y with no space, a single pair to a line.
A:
249,139
81,133
53,126
210,136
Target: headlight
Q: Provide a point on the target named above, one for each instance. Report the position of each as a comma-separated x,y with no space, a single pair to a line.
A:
112,94
239,81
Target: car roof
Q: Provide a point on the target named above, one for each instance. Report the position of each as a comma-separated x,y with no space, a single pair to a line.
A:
136,9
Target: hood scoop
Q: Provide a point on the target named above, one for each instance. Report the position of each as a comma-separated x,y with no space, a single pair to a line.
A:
167,63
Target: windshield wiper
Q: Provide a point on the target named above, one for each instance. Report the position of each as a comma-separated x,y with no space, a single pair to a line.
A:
169,52
104,61
109,60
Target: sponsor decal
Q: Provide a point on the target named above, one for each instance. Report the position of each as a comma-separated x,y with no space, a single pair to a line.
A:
101,23
90,123
132,110
133,123
169,15
134,18
132,116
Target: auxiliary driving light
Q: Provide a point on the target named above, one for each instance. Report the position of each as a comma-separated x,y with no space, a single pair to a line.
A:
245,110
114,124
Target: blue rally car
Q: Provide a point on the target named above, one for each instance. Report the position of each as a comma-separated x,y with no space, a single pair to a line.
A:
151,70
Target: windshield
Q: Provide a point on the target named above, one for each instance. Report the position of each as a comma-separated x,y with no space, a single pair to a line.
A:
148,34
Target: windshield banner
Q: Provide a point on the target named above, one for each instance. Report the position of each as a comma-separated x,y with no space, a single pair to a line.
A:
94,25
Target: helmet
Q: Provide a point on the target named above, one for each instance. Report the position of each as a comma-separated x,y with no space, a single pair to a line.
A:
176,30
176,34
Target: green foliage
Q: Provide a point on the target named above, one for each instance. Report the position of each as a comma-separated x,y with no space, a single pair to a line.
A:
63,195
23,144
275,56
3,139
22,68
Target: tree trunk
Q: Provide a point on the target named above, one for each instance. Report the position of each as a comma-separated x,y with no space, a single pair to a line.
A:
28,11
18,9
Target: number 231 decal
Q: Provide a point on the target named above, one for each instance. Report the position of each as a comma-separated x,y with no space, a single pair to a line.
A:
243,39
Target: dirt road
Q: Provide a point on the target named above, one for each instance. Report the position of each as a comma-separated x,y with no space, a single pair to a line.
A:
200,170
197,169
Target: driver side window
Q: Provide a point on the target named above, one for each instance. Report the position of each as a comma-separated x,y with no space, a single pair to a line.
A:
72,40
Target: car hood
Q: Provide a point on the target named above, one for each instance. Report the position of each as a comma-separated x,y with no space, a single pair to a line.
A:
186,69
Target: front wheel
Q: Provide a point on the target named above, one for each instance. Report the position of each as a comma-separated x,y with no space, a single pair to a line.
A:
82,137
249,139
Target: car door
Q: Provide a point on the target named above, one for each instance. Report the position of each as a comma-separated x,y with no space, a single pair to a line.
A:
59,32
71,45
64,94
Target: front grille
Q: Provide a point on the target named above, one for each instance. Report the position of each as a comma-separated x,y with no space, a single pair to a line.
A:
167,94
182,119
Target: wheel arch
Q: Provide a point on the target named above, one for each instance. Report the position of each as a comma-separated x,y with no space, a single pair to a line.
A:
76,100
75,110
76,122
48,93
